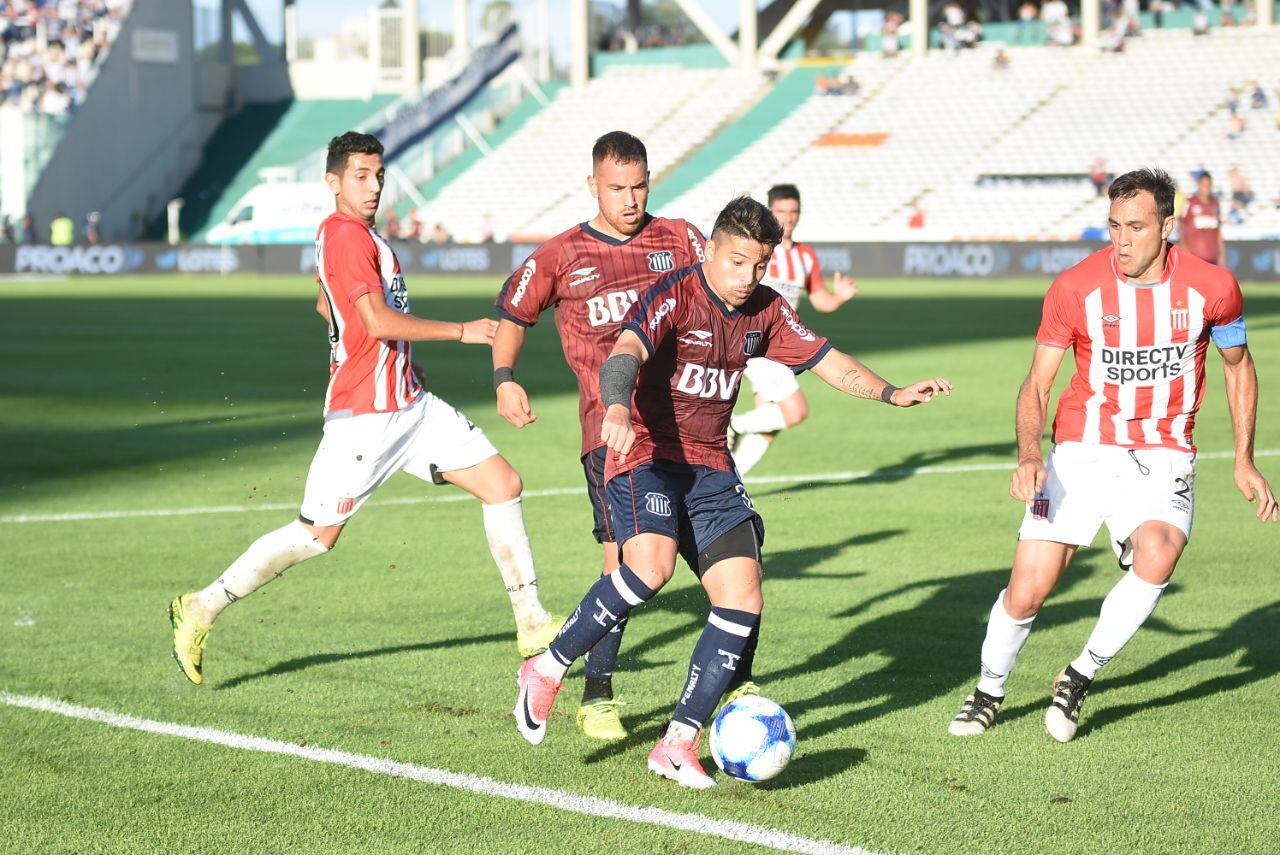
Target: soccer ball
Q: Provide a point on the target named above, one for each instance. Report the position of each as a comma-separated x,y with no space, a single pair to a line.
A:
752,739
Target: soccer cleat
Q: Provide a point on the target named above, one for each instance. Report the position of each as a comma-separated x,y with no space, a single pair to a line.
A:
746,688
536,641
599,719
679,763
533,704
189,638
977,715
1063,716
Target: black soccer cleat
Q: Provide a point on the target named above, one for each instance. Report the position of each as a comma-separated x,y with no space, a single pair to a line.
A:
1063,716
977,715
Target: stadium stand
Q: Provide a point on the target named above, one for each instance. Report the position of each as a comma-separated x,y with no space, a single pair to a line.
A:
50,52
532,185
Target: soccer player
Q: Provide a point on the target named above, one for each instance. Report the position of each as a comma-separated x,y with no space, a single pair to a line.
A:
1139,315
591,274
793,270
379,419
1201,226
672,486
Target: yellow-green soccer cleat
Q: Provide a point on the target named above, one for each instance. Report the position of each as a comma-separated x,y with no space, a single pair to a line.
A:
535,641
600,720
747,688
189,638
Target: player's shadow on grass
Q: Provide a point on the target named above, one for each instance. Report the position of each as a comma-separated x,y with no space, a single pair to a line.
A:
1252,641
903,469
931,648
691,602
302,663
809,768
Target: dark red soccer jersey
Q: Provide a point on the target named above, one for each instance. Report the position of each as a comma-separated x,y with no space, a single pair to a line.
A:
698,350
1201,222
592,279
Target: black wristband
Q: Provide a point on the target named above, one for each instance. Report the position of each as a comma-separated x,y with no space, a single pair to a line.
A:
886,394
502,375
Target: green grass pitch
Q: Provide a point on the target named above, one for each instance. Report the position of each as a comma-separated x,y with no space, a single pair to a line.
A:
176,393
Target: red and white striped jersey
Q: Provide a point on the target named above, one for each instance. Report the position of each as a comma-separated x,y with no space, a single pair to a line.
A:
1139,348
366,374
792,272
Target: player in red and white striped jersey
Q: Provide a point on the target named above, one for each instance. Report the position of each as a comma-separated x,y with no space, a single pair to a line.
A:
591,274
379,420
1139,316
793,270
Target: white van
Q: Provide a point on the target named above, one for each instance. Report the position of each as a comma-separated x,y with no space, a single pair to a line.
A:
276,212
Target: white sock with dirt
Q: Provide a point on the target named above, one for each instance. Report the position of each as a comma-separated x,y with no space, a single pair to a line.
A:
1000,649
1124,611
509,545
267,558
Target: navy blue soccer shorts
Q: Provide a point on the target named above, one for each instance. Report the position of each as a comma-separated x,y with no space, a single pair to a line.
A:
593,469
692,505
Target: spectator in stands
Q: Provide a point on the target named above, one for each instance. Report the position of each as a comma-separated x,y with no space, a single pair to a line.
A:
1236,126
1233,100
410,225
1241,191
1158,8
92,230
1057,21
1200,226
915,218
1257,98
27,234
958,32
62,231
8,234
1228,18
890,42
440,234
392,228
1027,29
1000,62
1200,23
1099,176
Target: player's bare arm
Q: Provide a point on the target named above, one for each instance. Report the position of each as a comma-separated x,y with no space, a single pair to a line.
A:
1242,402
841,371
383,322
1031,411
513,401
843,290
617,381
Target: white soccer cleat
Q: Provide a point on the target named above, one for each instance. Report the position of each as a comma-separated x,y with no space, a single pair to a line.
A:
1062,719
533,703
679,763
976,716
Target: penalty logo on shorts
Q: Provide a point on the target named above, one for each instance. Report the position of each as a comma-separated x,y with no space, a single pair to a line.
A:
751,343
657,504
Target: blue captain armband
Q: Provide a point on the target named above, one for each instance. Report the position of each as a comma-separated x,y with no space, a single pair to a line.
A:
1229,335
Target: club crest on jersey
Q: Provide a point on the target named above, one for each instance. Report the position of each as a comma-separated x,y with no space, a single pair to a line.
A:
345,505
1179,319
657,504
662,261
751,342
1040,508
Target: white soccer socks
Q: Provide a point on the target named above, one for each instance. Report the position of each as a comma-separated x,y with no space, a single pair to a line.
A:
748,451
766,418
1124,611
1000,649
509,545
267,558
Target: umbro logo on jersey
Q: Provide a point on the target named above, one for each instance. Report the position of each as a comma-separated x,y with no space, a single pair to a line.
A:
661,262
1110,319
751,343
657,504
582,276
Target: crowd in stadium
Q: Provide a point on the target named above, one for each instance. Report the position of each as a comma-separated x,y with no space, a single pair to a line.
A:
50,50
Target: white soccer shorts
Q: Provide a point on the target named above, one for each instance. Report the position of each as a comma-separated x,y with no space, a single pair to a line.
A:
1088,485
771,380
358,454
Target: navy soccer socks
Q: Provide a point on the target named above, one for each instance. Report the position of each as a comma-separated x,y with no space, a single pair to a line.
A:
716,658
604,607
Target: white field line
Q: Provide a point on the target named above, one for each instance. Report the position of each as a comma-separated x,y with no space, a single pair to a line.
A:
573,803
812,477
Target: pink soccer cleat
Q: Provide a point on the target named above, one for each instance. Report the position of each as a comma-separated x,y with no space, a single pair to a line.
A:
679,762
533,704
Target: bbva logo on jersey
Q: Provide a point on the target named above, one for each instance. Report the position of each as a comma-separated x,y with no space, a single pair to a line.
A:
708,382
609,308
662,261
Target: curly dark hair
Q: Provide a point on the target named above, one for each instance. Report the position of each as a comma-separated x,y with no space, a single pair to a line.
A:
342,147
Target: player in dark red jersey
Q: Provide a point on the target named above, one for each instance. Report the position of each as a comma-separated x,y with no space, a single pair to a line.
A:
671,482
592,274
1201,225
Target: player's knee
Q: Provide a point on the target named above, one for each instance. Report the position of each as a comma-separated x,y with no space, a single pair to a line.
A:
795,409
1023,603
1155,560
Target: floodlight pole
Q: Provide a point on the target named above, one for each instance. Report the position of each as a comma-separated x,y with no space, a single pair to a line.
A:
579,42
748,33
918,13
1090,22
410,47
